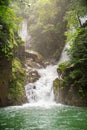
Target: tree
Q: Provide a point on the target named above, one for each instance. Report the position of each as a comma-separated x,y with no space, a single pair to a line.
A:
47,27
77,38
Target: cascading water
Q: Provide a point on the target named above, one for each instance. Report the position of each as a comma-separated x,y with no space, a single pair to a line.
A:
24,34
23,30
64,57
40,93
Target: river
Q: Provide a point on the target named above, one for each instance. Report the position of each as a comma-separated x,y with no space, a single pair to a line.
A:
41,118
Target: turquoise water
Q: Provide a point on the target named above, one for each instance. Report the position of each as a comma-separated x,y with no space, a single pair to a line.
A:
39,118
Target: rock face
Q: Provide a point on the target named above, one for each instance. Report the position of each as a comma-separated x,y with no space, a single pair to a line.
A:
34,61
32,76
5,75
68,95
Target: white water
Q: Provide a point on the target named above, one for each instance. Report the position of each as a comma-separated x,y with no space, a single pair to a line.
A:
24,34
23,31
83,19
40,93
43,93
64,57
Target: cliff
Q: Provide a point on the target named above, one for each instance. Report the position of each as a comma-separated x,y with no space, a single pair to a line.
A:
67,92
5,76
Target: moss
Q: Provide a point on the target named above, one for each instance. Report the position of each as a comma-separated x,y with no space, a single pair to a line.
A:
63,66
16,90
56,85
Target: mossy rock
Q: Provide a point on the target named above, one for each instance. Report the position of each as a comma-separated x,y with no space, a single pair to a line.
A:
56,85
56,88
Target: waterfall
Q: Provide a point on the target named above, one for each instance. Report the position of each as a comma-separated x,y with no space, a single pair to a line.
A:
24,34
64,57
40,93
23,30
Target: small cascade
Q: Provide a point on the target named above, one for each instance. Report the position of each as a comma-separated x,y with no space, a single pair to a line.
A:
24,34
64,57
41,91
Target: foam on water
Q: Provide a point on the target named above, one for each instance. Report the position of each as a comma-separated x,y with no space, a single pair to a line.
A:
43,93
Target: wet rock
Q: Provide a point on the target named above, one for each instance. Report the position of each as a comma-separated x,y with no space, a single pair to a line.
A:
49,62
35,56
32,76
68,95
31,67
56,89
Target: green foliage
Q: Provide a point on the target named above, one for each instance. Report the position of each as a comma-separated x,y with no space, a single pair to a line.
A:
56,86
8,23
63,66
76,8
21,7
9,41
77,38
47,27
78,54
16,90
